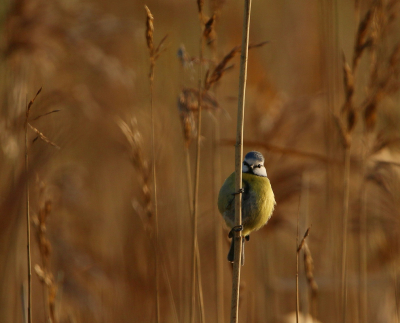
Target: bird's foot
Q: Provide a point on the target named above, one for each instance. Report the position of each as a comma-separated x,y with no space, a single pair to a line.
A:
247,238
236,228
241,191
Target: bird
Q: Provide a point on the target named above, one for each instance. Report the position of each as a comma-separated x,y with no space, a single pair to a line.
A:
258,200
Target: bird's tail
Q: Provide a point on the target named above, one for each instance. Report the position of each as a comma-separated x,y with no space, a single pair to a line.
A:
231,253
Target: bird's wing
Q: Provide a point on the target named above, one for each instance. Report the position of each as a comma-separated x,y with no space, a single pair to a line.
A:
226,197
246,190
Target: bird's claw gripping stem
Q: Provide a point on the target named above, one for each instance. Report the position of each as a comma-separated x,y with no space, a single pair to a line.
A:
236,228
241,191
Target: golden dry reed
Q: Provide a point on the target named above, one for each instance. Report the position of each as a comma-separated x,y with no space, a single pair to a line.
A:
43,271
328,106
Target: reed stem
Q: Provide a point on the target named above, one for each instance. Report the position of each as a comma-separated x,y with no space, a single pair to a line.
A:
238,162
196,190
28,220
346,190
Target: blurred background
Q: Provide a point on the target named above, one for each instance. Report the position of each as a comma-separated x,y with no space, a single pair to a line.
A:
93,228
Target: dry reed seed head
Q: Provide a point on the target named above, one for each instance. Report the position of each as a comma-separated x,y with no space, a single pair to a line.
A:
149,30
309,270
348,80
188,125
43,137
160,47
360,42
300,246
138,161
209,26
221,68
28,108
135,141
188,100
183,56
200,4
348,108
45,247
187,118
44,276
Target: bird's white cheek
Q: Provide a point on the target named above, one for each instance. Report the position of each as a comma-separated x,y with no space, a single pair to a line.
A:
260,172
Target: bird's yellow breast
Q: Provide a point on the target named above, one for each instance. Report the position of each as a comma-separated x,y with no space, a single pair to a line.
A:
258,201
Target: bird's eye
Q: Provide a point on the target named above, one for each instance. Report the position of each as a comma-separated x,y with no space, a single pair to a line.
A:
259,166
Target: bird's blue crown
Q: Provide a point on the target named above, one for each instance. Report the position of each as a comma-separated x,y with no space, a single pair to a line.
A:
255,155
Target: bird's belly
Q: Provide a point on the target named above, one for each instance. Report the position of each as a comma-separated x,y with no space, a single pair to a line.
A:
258,202
255,214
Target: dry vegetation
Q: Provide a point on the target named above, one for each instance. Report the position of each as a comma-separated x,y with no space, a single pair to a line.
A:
322,105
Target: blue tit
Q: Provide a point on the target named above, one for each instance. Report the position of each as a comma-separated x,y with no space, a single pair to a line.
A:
258,200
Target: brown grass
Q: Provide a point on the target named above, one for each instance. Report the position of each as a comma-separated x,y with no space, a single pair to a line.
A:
43,271
93,62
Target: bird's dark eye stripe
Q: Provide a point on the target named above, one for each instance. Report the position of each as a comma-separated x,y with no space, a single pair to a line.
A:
246,164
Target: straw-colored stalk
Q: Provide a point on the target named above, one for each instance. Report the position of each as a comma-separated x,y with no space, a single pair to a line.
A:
351,117
309,270
196,274
297,267
363,276
28,220
299,246
218,71
43,272
195,257
182,224
238,163
216,176
346,193
219,277
396,294
41,136
28,217
150,46
146,209
362,42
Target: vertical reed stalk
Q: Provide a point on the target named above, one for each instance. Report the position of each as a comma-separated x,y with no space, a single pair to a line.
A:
396,295
299,246
363,298
199,284
297,267
346,193
219,276
190,200
28,219
238,162
196,254
153,56
154,188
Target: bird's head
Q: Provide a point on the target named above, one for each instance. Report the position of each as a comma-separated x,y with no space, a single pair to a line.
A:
254,164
